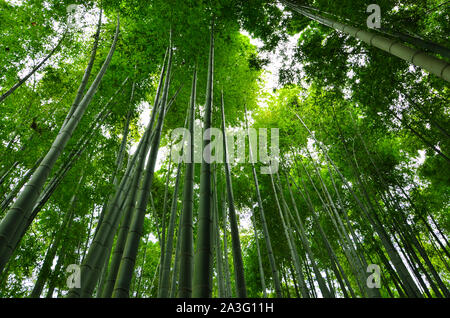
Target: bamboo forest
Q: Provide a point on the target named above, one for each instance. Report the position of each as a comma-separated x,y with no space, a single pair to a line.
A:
224,149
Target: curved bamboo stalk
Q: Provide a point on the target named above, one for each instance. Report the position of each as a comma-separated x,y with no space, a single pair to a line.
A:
24,203
417,57
124,275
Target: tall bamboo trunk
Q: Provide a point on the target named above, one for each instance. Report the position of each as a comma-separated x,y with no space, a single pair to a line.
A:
217,241
186,226
86,75
272,262
307,246
333,258
58,177
115,181
410,285
241,290
202,260
54,275
144,255
418,42
125,195
163,216
125,273
400,220
102,242
24,79
24,203
228,291
73,156
260,265
420,136
46,266
130,206
405,37
121,238
167,260
176,269
346,242
292,248
357,259
121,153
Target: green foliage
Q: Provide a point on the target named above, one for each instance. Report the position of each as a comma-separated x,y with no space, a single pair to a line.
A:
379,118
